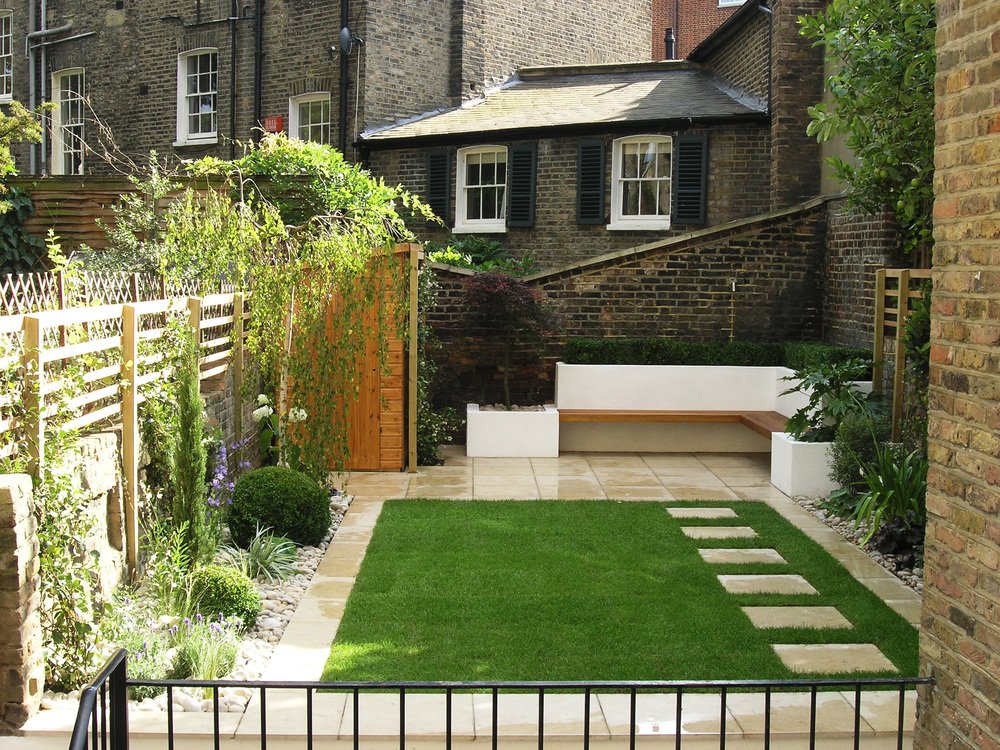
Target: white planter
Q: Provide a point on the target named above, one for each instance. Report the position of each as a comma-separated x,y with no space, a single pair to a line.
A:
512,434
799,468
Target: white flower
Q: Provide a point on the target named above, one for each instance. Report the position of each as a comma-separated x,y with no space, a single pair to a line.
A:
263,400
297,414
262,412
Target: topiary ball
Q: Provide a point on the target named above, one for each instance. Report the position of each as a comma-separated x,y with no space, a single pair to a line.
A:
286,501
218,590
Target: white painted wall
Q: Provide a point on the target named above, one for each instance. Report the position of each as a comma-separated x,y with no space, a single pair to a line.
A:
512,434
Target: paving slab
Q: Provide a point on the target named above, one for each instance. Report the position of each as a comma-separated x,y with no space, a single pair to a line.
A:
718,532
741,556
701,512
832,658
796,617
766,584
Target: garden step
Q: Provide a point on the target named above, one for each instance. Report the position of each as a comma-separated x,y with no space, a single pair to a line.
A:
701,512
718,532
833,658
796,617
766,584
742,555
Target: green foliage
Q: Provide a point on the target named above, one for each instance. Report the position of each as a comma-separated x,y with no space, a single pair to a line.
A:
288,502
206,648
917,343
149,656
434,426
188,461
854,444
896,489
20,251
883,102
659,351
508,310
267,556
832,396
167,567
805,355
228,592
479,254
18,124
296,227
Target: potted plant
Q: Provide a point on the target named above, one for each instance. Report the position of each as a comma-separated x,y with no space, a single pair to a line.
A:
511,313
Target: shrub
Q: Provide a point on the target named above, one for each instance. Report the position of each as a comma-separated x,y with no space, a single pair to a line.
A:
225,591
832,396
854,445
896,490
807,355
206,648
286,501
268,556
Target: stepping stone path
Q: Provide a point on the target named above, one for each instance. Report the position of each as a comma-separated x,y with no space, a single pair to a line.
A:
824,658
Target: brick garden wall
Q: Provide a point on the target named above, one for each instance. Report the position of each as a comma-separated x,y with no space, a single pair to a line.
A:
677,288
960,638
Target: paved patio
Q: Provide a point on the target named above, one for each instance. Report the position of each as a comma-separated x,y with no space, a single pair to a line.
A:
302,652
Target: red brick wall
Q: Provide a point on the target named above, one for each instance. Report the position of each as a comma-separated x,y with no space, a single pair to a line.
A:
695,21
960,640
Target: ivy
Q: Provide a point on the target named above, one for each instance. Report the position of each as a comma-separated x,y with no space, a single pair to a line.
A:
883,103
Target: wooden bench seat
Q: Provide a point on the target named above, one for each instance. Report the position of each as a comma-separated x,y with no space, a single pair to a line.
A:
761,422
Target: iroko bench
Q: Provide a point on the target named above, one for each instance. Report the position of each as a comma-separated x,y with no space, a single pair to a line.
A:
764,423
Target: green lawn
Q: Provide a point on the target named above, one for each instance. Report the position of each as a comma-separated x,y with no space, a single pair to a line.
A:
582,590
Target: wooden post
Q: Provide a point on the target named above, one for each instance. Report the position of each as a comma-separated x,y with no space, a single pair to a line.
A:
903,307
134,287
878,348
61,292
163,286
194,317
34,399
237,365
411,427
130,434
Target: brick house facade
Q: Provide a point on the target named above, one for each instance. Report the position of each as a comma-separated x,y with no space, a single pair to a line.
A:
681,25
960,637
246,63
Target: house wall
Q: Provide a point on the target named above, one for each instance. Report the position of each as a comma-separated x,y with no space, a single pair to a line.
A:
737,188
960,633
681,290
743,61
695,20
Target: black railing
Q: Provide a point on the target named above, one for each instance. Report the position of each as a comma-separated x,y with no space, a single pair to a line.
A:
102,720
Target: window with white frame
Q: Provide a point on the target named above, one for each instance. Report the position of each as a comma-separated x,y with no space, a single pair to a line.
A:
197,97
6,55
309,117
640,183
68,146
481,195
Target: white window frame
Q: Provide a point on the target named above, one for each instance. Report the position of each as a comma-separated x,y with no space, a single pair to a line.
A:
463,224
293,114
60,148
184,136
6,56
731,3
620,221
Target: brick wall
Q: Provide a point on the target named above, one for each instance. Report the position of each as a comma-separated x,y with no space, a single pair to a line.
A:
856,247
737,188
695,21
743,61
680,290
960,638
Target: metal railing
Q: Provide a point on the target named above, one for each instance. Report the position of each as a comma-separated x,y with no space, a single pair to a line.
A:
102,719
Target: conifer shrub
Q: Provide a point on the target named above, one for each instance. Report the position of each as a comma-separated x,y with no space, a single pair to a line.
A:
288,502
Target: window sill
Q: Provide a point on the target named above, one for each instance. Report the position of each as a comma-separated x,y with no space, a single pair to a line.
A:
642,226
196,142
731,3
485,228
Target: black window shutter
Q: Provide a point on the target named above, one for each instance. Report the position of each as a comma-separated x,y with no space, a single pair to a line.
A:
439,183
690,173
521,186
590,165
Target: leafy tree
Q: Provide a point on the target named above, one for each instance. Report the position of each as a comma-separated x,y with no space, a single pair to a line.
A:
883,103
17,125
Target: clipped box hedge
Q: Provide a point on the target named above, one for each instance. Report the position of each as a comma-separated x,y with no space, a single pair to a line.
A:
796,355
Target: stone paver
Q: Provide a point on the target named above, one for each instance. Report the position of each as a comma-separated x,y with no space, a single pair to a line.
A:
832,658
718,532
796,617
766,584
741,556
701,512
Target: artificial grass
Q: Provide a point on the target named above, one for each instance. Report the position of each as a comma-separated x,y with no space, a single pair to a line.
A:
581,590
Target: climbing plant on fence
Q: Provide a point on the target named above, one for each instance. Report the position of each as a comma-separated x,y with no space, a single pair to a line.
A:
305,234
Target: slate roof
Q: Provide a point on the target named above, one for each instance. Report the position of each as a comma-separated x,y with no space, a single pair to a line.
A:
572,98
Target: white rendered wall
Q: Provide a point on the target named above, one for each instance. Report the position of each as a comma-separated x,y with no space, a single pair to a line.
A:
512,434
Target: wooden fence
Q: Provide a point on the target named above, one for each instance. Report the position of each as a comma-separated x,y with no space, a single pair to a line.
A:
895,289
90,366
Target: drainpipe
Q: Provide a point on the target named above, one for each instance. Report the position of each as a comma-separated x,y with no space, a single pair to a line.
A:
258,67
32,22
234,12
345,19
